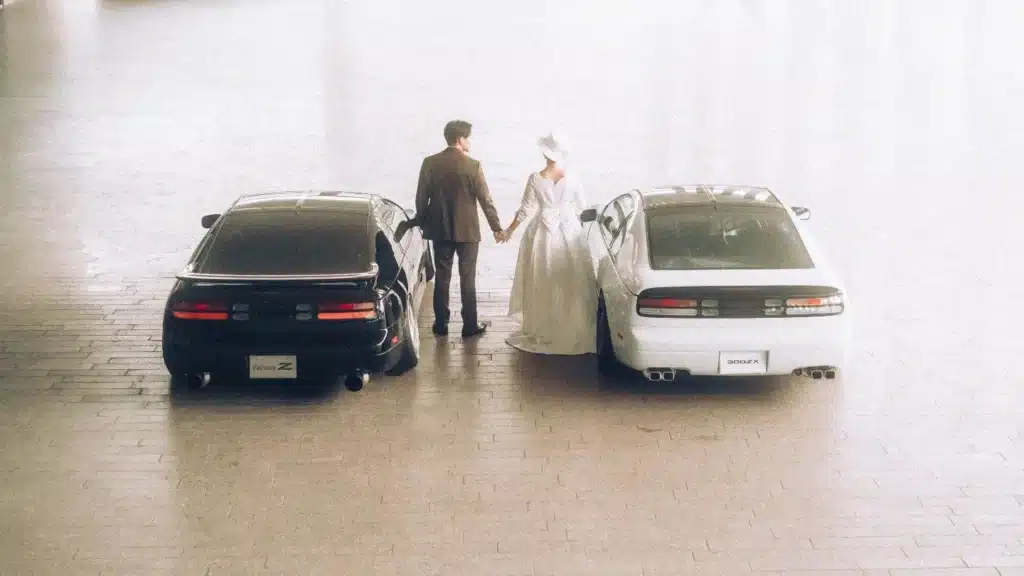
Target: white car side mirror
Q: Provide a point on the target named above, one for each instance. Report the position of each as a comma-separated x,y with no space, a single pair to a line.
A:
802,213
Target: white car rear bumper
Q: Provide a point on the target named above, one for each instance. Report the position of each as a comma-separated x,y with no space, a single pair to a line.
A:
695,345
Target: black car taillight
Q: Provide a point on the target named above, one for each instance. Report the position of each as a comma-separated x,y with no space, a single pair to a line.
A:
189,310
346,311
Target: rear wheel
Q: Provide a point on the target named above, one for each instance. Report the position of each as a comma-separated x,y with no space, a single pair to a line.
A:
177,366
409,355
606,360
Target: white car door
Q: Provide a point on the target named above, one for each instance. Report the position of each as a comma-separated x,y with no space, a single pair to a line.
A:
612,223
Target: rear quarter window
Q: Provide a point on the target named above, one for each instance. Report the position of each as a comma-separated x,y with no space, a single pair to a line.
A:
287,242
702,238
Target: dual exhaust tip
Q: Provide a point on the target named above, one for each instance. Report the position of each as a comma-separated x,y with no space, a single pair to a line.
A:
660,374
817,373
198,380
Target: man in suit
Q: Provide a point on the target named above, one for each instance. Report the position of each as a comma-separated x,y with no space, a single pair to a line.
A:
450,187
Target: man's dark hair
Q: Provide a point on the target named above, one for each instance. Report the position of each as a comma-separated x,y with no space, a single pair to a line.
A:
456,129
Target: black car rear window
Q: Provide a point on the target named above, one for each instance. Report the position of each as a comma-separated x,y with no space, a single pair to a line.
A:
703,238
288,242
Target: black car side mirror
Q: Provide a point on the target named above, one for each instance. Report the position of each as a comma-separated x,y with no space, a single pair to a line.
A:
588,215
403,227
802,213
209,220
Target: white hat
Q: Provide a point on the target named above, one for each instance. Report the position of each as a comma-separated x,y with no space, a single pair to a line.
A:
552,148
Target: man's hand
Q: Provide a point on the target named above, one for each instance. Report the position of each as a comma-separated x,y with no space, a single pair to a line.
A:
402,228
501,236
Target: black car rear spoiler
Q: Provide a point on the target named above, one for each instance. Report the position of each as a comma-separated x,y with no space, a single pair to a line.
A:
367,275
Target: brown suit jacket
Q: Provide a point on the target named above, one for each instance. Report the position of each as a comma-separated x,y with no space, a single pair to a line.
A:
450,187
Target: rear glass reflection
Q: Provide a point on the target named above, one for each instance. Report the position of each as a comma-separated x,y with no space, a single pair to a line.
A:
707,239
289,243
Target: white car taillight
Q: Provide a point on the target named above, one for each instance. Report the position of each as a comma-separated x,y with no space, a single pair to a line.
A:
677,307
821,306
741,302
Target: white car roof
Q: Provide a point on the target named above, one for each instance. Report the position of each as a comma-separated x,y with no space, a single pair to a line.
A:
691,194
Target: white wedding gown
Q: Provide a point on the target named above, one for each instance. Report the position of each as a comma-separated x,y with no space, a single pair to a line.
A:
554,293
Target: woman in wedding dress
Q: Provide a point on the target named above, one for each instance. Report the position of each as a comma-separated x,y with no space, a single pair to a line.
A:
554,293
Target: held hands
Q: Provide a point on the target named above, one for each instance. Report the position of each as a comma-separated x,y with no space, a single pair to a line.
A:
502,236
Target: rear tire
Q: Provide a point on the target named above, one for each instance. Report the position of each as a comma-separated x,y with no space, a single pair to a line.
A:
181,377
409,355
607,363
173,362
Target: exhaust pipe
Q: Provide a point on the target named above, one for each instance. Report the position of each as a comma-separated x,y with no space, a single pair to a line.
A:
817,374
198,380
660,374
354,382
830,374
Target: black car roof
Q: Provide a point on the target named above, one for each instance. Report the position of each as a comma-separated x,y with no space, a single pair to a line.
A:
707,194
349,202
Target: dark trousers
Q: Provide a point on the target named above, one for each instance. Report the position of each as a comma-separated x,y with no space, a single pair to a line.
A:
444,256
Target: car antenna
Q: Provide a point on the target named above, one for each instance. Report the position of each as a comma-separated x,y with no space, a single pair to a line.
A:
711,197
298,205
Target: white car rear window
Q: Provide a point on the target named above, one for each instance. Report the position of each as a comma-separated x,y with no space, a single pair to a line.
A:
702,238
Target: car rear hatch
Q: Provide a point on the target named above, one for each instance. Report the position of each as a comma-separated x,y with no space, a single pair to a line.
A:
294,273
739,260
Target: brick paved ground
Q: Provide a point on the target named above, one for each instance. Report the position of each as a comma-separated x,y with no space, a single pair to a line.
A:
122,122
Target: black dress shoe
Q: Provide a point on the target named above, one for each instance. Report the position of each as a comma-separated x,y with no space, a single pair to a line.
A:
476,331
440,330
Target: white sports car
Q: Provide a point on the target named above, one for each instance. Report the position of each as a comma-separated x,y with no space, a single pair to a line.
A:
714,280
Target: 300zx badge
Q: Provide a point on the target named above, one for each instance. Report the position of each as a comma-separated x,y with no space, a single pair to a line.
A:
283,366
748,361
272,367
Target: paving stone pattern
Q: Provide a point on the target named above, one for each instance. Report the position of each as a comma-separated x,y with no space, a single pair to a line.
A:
122,123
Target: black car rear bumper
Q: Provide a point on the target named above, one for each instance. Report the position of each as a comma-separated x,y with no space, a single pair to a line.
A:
323,360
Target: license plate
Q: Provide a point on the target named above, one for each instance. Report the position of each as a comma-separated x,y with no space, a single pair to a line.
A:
741,363
273,367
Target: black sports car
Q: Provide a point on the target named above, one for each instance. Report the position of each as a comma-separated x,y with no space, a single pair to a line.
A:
296,284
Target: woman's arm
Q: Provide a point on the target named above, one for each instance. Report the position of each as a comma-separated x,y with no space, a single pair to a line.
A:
526,207
579,196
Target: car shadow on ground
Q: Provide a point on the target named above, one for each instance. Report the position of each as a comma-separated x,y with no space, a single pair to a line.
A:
239,391
581,372
534,374
721,386
471,360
